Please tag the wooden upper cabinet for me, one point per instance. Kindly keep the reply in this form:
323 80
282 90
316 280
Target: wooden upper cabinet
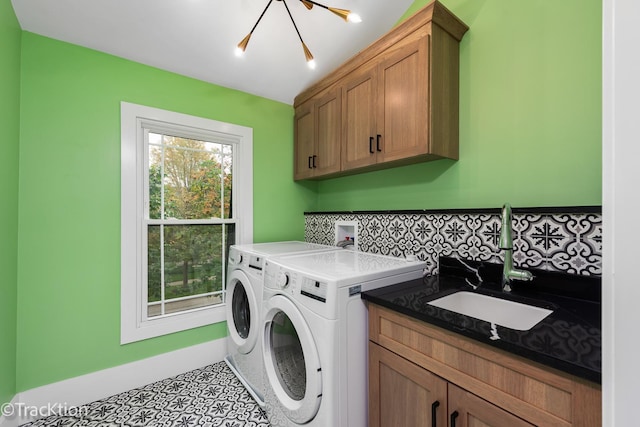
399 97
328 138
403 107
358 124
317 133
304 135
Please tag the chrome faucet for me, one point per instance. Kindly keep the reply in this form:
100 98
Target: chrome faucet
506 243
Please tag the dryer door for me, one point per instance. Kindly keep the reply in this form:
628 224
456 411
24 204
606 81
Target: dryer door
242 311
292 365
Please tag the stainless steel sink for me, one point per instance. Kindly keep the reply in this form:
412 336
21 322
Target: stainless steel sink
509 314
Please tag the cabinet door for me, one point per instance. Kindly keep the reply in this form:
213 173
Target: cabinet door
328 133
358 120
468 410
402 393
403 102
304 140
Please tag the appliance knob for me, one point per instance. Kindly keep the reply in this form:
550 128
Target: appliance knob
283 280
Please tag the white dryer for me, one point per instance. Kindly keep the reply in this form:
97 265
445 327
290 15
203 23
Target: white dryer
315 334
244 307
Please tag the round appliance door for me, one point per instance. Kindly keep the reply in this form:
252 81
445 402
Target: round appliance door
242 312
291 361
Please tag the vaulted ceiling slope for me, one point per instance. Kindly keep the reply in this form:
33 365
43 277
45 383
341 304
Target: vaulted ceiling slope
197 38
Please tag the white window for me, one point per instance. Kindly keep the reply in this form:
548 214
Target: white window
186 196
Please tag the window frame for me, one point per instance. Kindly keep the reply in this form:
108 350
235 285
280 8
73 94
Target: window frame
135 121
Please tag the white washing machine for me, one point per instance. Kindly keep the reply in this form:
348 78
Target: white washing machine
315 334
244 307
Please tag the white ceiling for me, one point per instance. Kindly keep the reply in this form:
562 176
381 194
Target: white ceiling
197 38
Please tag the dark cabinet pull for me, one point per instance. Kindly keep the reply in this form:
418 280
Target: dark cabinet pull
454 415
371 145
378 142
310 167
314 161
434 406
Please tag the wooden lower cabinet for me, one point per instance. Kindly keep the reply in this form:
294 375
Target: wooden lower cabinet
402 394
414 365
468 410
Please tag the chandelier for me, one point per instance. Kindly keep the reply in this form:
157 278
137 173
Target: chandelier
347 15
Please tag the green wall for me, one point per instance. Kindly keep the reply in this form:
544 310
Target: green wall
530 116
530 128
10 34
69 251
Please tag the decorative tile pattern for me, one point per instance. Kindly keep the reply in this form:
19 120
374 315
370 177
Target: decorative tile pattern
566 242
211 396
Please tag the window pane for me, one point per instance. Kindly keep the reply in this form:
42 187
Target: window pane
154 266
196 176
226 160
193 266
193 259
230 230
155 181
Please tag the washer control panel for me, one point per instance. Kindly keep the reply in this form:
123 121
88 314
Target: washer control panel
283 280
276 277
314 289
294 283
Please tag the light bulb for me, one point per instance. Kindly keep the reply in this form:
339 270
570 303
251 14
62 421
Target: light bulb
242 46
354 17
312 64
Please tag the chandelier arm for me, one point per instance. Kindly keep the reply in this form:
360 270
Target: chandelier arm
261 15
345 14
317 4
292 21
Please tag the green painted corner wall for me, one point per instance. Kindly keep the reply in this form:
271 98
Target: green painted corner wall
69 244
530 116
10 34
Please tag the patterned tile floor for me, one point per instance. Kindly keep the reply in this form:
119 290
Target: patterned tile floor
211 396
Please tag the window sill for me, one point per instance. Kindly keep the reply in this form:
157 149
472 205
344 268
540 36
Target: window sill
132 331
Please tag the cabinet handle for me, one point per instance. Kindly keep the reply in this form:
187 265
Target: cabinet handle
314 161
378 142
454 415
434 406
310 167
371 145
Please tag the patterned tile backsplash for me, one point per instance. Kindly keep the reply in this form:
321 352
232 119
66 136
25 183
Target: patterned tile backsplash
558 239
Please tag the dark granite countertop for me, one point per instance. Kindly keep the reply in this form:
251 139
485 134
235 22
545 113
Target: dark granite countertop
569 339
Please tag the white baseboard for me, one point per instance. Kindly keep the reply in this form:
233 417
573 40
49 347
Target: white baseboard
101 384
